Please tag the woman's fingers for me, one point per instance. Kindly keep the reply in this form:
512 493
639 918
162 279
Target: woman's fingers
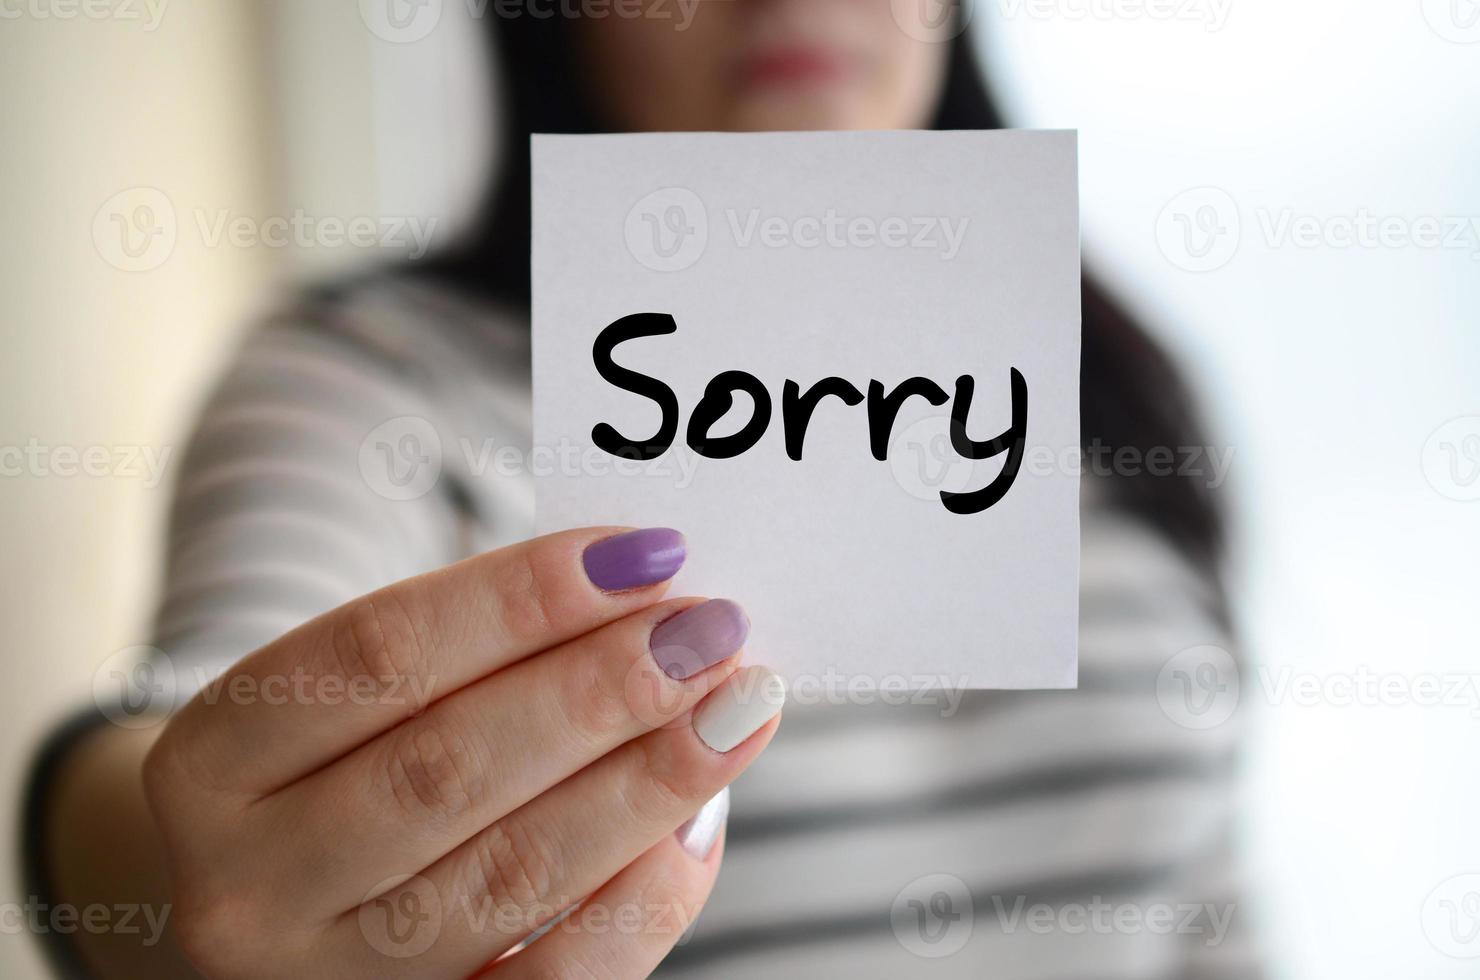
630 924
568 842
425 787
339 680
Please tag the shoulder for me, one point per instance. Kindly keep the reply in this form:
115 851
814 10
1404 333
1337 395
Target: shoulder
398 325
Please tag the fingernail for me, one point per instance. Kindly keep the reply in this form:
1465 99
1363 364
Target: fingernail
700 832
634 559
699 637
737 709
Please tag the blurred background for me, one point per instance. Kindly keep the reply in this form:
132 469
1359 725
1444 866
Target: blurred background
1289 192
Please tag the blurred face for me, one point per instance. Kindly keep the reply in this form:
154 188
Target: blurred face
761 65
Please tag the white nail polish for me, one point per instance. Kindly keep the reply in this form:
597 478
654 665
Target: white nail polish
734 712
700 831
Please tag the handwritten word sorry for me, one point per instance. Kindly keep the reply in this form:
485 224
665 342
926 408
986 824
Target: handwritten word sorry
797 407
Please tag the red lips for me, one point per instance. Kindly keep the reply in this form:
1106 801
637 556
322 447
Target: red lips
792 65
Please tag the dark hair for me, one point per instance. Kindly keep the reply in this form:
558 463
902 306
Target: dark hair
1131 395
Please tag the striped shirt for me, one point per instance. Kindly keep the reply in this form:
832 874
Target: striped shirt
1054 835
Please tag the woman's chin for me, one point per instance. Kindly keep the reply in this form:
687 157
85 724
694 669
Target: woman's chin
782 110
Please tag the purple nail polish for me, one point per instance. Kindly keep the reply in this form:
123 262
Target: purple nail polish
699 637
634 559
700 832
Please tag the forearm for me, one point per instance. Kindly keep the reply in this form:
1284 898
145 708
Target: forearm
103 860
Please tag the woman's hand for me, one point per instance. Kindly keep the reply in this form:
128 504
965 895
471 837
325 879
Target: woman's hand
412 784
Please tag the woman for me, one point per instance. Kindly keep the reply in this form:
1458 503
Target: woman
496 768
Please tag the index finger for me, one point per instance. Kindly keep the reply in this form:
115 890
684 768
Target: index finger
337 681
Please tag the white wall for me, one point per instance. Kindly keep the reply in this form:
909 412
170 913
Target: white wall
366 126
1329 369
96 356
203 111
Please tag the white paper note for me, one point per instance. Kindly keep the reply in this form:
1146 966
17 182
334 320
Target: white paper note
865 257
